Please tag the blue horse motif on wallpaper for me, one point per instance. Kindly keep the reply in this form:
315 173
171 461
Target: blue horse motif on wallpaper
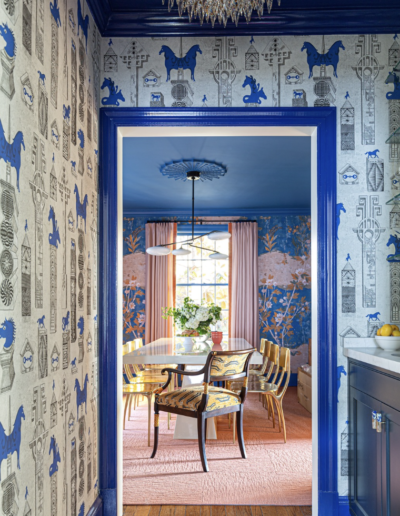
81 394
256 93
339 209
7 34
83 22
54 237
314 58
55 11
394 79
81 207
175 63
7 332
114 93
56 456
11 152
11 443
81 325
395 240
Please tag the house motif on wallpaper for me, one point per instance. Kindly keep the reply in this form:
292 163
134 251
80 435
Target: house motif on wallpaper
27 94
110 61
394 53
151 79
252 58
348 175
294 76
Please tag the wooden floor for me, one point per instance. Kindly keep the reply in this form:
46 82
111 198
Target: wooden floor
214 510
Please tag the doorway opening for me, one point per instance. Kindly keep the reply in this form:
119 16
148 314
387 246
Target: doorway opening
270 234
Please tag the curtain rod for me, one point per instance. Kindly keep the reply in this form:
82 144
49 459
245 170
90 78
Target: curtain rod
201 221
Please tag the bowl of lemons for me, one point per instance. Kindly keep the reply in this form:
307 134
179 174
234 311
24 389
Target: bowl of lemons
388 337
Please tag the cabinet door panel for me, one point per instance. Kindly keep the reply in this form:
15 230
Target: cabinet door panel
391 461
366 460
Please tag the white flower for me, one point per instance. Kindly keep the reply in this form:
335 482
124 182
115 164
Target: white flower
192 324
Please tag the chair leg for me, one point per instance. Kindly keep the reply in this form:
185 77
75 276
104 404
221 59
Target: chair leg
130 406
239 426
156 423
201 427
279 404
274 400
128 396
233 426
149 418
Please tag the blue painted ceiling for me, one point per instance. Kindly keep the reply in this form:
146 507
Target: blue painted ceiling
150 18
263 172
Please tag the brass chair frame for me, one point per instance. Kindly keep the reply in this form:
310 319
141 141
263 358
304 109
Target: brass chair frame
201 414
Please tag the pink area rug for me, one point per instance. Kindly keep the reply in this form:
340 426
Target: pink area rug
273 474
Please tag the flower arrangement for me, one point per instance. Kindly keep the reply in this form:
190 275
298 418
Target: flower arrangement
193 319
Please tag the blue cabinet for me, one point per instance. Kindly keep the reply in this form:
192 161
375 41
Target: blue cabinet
374 429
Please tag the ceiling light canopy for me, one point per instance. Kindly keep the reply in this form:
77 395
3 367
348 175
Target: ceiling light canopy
220 10
192 170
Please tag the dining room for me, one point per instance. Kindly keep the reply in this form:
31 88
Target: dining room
217 292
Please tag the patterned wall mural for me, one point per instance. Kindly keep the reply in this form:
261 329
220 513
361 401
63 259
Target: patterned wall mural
355 73
284 280
48 405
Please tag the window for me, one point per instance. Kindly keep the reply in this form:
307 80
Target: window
203 279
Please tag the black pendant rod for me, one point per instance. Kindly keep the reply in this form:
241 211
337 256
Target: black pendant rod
193 181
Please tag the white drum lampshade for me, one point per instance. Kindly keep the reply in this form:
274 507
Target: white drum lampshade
181 252
158 250
218 256
219 235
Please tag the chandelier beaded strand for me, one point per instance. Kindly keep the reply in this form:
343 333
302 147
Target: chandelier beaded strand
220 10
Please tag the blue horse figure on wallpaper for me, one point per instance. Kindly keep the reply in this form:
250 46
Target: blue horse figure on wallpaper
81 138
314 58
11 443
114 93
11 152
394 79
83 22
82 510
65 322
56 456
256 93
175 63
340 370
54 237
81 394
7 332
66 112
339 209
40 321
55 11
81 207
7 34
81 325
373 317
395 240
372 154
42 77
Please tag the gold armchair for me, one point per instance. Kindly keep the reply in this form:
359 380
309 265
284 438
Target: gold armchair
205 401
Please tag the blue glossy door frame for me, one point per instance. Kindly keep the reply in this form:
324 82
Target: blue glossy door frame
324 119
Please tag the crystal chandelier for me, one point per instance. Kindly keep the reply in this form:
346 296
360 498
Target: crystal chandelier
220 10
192 170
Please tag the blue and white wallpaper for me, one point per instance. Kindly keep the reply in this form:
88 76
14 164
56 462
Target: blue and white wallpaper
355 73
284 280
49 99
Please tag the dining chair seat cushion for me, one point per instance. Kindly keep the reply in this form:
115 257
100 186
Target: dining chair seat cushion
189 398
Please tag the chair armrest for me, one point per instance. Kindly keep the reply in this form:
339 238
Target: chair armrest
185 373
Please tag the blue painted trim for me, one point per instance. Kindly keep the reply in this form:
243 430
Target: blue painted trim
344 507
325 121
97 508
145 20
251 212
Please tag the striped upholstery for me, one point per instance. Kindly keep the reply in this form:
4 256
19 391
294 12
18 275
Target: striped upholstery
226 365
189 398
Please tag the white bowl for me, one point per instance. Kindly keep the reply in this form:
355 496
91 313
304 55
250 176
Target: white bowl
388 343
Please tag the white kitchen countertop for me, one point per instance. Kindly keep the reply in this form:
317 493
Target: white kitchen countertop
389 360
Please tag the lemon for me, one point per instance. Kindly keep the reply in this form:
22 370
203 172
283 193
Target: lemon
379 332
386 330
395 327
395 333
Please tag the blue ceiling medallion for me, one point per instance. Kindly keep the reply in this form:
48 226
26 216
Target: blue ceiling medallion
178 170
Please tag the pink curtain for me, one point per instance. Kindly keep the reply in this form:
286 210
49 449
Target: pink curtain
160 282
243 316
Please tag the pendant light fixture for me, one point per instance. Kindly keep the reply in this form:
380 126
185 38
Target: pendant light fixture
192 171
